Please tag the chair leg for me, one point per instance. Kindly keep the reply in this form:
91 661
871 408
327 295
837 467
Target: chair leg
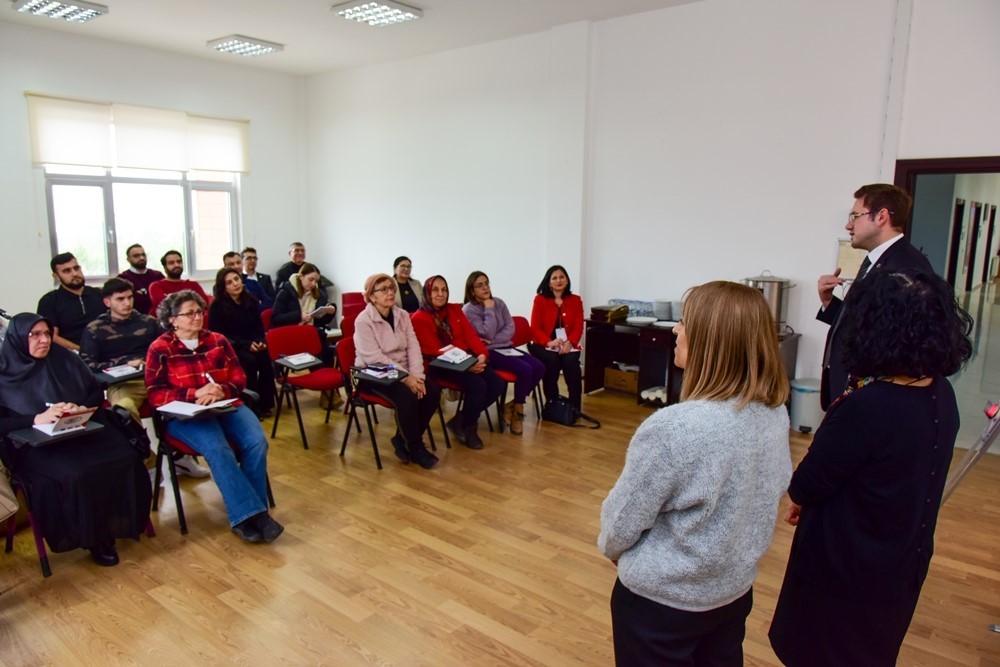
537 400
500 419
11 525
177 494
277 413
298 415
158 475
36 532
352 416
270 494
444 429
150 531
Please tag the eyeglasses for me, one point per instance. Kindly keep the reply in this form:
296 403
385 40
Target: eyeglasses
481 285
405 266
388 289
38 335
852 216
191 314
249 257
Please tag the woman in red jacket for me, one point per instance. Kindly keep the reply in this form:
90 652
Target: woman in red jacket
556 330
439 324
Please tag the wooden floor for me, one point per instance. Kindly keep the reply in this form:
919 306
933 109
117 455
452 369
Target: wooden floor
489 559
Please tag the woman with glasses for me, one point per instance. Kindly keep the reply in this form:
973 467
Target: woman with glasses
693 510
302 300
85 491
556 330
383 335
491 319
235 314
439 324
865 498
194 365
409 291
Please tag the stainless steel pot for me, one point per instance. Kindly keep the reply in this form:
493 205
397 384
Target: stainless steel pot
773 289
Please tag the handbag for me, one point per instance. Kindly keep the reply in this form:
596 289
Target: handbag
561 411
8 499
136 436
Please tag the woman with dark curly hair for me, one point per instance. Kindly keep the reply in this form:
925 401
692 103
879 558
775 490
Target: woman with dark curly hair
865 498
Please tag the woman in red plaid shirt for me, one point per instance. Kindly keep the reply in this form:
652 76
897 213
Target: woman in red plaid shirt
192 364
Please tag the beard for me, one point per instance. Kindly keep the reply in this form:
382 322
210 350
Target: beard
75 283
175 274
139 266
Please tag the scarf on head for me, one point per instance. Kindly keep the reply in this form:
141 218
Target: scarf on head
27 384
440 316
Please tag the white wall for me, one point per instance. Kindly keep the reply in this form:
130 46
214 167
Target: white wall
60 64
443 158
952 93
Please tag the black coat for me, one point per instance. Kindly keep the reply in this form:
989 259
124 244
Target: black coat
900 255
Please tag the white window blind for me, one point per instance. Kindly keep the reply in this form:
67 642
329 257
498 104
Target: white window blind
102 134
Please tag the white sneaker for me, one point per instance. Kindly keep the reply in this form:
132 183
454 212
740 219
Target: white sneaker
186 465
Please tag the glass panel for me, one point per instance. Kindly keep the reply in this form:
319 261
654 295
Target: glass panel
78 211
72 170
212 229
121 172
213 176
152 215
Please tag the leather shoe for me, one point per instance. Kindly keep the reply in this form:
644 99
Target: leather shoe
105 555
247 530
269 528
424 459
399 445
472 439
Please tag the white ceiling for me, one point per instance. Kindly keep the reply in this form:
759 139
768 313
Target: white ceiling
317 40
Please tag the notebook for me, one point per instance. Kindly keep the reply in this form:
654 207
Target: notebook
70 421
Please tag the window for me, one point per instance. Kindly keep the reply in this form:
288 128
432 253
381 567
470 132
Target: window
97 213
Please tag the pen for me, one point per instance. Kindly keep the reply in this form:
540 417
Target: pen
209 378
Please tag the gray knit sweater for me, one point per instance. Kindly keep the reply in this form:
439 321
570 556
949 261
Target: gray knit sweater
695 506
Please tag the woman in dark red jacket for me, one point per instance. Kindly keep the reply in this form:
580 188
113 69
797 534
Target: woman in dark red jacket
439 324
556 330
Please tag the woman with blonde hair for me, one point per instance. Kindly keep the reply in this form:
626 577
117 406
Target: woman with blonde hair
694 508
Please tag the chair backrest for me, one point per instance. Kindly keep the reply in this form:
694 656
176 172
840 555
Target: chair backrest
346 354
265 318
522 331
349 298
286 341
351 311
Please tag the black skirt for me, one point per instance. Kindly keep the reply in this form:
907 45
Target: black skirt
86 491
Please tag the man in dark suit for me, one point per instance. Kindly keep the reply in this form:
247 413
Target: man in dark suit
876 223
250 272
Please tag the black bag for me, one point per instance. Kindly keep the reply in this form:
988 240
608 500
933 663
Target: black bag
121 420
561 411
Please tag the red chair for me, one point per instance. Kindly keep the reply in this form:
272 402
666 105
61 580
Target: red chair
291 340
522 336
349 298
356 398
167 447
351 311
265 318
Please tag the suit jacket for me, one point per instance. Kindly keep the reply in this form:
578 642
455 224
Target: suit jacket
900 255
265 282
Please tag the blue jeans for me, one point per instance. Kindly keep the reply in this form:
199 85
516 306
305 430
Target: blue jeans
244 484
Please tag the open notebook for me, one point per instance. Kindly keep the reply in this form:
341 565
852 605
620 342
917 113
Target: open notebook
70 421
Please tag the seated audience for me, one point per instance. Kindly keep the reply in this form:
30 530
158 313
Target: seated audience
140 277
439 324
233 260
556 330
490 318
173 265
235 315
72 305
250 272
191 364
86 491
693 510
384 335
301 300
121 337
296 258
865 498
409 291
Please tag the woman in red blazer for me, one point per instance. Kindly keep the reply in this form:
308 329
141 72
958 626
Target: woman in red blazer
556 330
439 324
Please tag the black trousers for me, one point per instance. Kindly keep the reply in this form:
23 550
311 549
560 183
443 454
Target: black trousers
413 414
568 365
481 390
260 375
650 633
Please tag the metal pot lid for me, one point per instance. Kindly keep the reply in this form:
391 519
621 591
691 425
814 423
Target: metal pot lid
766 277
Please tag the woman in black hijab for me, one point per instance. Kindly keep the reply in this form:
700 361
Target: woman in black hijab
85 491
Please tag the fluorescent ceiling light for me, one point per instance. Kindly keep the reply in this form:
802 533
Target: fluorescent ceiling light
377 13
244 46
76 11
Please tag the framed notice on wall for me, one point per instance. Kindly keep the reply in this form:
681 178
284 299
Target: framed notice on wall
849 259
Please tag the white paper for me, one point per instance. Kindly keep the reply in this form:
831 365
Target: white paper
453 355
300 358
121 371
510 352
186 409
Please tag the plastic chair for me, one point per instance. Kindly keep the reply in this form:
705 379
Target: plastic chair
167 447
522 336
356 398
265 318
349 298
291 340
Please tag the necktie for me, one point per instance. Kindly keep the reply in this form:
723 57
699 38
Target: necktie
828 350
863 271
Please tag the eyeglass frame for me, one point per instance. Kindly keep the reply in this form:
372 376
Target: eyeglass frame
191 314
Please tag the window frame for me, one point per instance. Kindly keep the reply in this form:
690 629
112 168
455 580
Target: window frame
106 182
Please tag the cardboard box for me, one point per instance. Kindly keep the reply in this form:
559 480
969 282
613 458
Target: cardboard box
627 381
